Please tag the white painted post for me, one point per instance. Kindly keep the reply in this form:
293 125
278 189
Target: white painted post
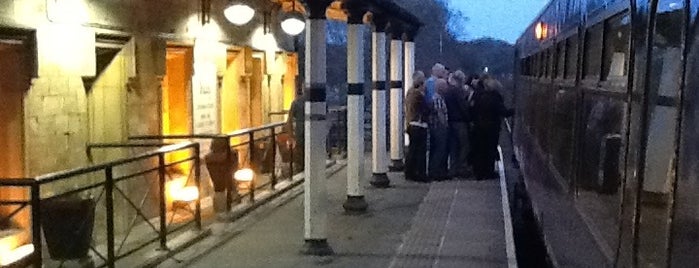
315 184
355 202
397 94
409 44
378 102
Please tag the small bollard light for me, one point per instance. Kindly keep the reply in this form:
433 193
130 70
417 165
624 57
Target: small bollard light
11 256
186 194
244 177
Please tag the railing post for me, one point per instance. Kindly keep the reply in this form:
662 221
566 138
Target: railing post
292 150
36 223
109 203
163 207
253 167
197 181
274 159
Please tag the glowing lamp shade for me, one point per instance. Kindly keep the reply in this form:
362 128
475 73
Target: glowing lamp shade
293 26
541 31
244 175
186 194
239 14
10 256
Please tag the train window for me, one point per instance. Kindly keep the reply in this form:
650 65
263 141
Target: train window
561 59
593 52
552 62
571 57
616 48
547 69
540 64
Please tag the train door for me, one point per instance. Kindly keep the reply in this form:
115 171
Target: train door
653 135
685 223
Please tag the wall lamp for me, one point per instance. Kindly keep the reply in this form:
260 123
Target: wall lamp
239 13
293 22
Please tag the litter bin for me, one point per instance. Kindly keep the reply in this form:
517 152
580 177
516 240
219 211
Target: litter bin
221 162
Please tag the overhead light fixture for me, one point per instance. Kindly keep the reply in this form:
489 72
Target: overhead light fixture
239 14
293 22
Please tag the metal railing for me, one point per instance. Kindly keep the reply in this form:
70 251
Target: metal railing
259 147
115 184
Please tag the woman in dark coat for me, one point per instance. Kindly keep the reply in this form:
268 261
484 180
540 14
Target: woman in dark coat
487 111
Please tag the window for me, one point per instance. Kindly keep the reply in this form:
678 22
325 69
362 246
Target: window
571 57
561 59
542 63
593 52
616 48
547 70
552 62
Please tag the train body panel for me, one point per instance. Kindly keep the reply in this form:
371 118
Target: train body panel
607 130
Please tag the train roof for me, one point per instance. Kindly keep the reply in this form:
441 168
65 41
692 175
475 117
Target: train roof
561 19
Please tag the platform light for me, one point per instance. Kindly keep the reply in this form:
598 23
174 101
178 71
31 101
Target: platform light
539 31
293 23
239 14
186 194
244 178
244 175
13 255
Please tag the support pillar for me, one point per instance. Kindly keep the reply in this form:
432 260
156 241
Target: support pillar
355 202
315 184
409 47
397 94
378 105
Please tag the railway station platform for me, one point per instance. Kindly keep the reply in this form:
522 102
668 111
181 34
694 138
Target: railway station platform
440 224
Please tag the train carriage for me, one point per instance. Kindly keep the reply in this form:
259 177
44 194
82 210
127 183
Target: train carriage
607 131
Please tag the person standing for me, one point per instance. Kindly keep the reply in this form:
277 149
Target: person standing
438 72
488 110
416 115
439 133
295 126
456 99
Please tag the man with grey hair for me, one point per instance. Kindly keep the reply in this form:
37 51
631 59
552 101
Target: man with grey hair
438 72
416 115
439 133
456 99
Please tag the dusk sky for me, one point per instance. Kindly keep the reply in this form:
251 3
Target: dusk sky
501 19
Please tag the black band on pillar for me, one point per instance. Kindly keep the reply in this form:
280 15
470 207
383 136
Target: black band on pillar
396 84
355 10
318 8
379 22
396 29
316 92
410 33
355 89
379 85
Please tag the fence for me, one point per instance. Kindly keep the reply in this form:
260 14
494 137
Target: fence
146 197
64 205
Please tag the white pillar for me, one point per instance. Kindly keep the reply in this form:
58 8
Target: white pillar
355 114
315 186
378 110
409 64
397 94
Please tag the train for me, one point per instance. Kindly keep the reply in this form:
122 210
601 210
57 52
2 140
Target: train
607 131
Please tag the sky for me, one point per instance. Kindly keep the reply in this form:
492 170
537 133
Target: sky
500 19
